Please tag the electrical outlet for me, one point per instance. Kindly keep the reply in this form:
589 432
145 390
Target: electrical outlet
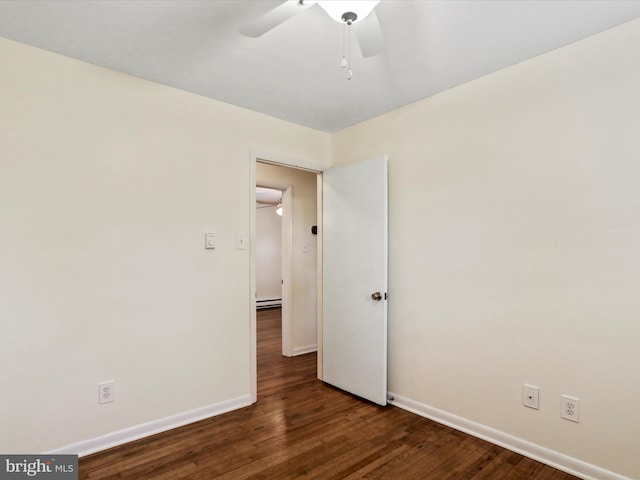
530 396
570 408
106 392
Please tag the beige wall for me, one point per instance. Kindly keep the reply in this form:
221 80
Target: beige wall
304 262
515 246
107 186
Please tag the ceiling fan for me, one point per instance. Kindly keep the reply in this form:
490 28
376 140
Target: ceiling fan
359 13
269 197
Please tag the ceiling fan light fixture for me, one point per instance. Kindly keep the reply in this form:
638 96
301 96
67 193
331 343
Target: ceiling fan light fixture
339 9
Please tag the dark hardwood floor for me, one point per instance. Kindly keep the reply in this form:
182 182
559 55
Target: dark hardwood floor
302 428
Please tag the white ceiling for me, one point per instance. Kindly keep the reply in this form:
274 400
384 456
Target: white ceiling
292 72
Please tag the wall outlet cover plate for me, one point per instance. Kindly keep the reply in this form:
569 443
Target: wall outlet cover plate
531 396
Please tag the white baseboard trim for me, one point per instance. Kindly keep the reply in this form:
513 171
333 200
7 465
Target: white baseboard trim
137 432
271 303
536 452
303 350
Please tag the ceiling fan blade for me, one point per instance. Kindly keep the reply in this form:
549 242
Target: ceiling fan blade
272 18
369 35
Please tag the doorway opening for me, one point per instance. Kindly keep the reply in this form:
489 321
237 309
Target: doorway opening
350 303
269 235
299 256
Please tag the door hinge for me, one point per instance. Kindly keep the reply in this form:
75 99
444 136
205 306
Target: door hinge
386 295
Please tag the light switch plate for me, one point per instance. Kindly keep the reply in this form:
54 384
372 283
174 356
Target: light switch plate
210 240
241 241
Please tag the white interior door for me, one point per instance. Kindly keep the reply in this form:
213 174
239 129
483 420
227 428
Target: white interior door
354 229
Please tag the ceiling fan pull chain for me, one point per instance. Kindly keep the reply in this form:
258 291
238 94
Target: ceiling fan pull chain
343 62
349 72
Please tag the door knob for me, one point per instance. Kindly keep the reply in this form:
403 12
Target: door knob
377 296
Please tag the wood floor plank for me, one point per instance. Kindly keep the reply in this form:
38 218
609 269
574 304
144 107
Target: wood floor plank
303 428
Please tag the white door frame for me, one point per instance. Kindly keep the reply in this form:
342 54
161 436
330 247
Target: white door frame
286 235
275 159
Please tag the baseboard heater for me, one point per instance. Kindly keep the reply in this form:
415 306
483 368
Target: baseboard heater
272 303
